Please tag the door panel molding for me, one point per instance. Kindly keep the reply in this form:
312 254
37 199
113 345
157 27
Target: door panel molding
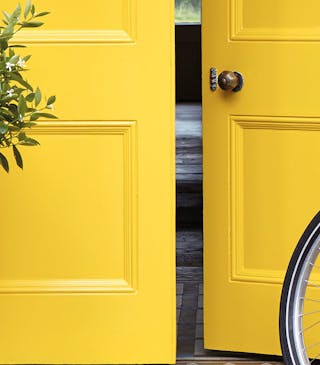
126 33
238 126
239 31
65 286
126 130
77 36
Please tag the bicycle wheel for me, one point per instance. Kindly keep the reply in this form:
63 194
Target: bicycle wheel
300 301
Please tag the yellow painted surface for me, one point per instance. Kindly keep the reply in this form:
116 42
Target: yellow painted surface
261 163
87 253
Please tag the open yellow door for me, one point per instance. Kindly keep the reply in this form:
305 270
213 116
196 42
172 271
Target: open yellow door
261 162
87 269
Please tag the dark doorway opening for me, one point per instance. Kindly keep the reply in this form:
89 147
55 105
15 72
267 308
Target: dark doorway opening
189 191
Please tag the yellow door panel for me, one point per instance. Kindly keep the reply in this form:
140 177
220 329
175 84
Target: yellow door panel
261 148
276 20
87 269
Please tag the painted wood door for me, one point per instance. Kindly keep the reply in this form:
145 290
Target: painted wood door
261 162
87 268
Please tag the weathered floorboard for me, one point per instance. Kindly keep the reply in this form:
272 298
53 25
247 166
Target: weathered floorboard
189 165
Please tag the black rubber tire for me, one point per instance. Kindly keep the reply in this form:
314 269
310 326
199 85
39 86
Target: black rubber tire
288 294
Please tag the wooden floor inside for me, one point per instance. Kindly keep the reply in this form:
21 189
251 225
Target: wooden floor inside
189 230
190 349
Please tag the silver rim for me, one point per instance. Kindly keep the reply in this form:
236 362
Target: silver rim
306 353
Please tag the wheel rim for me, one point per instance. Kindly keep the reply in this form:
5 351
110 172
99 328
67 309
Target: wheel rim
306 308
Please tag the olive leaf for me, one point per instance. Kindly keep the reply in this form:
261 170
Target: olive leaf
51 100
38 97
4 162
17 156
27 8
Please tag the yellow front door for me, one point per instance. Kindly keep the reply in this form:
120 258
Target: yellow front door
261 162
87 269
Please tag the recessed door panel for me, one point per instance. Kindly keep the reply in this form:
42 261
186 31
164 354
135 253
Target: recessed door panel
276 20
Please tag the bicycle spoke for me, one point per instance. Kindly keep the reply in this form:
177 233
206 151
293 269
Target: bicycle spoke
313 345
310 299
315 266
312 284
309 327
306 314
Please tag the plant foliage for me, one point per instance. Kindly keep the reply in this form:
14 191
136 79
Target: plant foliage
20 104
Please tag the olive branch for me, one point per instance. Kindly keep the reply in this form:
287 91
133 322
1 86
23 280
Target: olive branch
20 104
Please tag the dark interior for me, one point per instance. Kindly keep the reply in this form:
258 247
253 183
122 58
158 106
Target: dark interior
188 63
189 191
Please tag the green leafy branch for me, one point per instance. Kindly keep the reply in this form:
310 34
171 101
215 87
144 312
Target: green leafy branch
20 104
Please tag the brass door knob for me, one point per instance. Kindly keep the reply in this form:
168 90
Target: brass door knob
230 81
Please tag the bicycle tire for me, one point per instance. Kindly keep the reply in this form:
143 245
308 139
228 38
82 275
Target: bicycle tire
292 303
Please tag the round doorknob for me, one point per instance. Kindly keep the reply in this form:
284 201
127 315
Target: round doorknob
230 81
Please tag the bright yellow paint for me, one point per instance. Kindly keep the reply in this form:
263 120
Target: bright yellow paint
87 268
261 158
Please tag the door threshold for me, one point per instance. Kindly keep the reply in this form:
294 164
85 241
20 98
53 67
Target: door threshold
216 360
